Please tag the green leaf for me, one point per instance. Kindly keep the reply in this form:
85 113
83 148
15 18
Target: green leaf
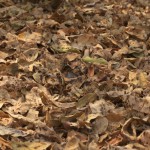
88 59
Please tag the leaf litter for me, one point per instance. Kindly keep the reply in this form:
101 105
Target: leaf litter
74 76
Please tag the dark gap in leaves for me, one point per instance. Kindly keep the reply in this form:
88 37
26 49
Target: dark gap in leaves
39 45
125 23
51 51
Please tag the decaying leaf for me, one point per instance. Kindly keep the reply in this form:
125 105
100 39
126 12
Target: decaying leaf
13 132
100 125
144 137
133 126
35 145
101 107
90 97
30 37
31 54
74 75
93 145
64 47
74 143
5 144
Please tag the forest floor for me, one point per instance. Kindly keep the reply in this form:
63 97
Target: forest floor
77 78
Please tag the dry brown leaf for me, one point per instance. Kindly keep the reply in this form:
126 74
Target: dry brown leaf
31 54
140 104
3 55
143 82
116 140
72 56
90 97
91 71
30 37
82 137
35 145
33 114
93 145
101 107
86 40
139 33
75 76
37 77
118 54
100 125
74 143
144 137
5 144
13 132
133 126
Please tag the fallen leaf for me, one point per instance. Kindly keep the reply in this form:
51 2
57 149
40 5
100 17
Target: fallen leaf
132 126
35 145
13 132
144 137
101 107
5 144
95 60
90 97
30 37
100 125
